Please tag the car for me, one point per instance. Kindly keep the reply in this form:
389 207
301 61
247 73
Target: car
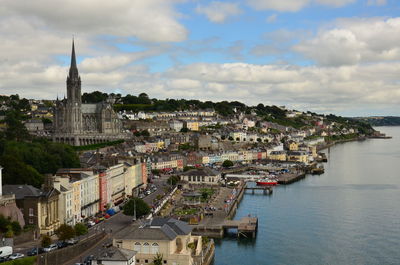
16 256
88 260
72 241
3 259
50 248
107 216
35 251
91 223
61 244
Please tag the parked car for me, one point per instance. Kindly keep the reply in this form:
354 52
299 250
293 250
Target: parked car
88 260
3 259
72 241
50 248
61 244
91 223
16 256
35 251
107 216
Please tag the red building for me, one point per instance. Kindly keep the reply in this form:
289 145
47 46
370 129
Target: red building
103 191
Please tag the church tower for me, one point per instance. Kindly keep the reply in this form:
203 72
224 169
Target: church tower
74 100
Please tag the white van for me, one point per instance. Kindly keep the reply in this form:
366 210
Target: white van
5 251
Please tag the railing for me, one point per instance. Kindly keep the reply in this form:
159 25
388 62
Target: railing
205 255
163 202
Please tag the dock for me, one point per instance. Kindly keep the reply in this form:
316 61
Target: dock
289 178
267 190
246 227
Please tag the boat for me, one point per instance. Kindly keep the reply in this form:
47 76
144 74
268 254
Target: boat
266 182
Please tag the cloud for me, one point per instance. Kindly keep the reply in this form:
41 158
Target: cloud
272 18
354 41
219 12
281 5
376 2
294 5
150 20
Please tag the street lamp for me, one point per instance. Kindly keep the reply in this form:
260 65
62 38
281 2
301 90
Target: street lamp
134 209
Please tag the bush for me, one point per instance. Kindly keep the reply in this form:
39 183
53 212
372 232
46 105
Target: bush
227 163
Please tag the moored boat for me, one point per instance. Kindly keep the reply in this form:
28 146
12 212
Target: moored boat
266 182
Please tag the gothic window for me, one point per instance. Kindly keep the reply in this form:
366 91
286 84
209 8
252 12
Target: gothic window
146 248
137 247
155 248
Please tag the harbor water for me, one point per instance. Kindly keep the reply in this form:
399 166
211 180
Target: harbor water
348 215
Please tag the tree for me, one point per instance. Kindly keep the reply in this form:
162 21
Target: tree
65 232
158 259
80 229
184 130
46 241
227 163
173 180
16 227
141 207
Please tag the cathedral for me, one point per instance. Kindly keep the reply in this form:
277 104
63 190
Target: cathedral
77 123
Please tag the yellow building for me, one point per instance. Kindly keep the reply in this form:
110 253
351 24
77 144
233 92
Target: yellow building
297 156
169 237
191 125
293 146
277 155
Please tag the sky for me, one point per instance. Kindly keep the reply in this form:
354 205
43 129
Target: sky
326 56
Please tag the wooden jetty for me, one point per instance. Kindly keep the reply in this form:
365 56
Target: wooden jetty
267 190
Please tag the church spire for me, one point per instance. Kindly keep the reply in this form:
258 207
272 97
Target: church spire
73 69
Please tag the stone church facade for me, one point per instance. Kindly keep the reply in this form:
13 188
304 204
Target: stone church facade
77 123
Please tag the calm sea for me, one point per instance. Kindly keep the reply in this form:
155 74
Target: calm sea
348 215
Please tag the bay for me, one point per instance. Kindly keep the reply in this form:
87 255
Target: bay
348 215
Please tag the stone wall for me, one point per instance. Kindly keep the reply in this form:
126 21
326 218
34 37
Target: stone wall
64 255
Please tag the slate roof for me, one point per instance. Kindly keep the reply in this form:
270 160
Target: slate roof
116 254
201 172
158 229
22 191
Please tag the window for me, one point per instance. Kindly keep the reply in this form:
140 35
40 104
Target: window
146 248
146 261
31 212
137 261
30 221
154 248
202 178
137 247
165 262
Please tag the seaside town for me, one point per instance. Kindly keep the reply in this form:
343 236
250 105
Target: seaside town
109 179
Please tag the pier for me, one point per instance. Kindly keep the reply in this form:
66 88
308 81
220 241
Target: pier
288 178
267 190
246 227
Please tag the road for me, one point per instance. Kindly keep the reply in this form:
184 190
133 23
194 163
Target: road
117 223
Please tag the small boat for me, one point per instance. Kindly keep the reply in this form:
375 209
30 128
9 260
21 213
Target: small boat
266 182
